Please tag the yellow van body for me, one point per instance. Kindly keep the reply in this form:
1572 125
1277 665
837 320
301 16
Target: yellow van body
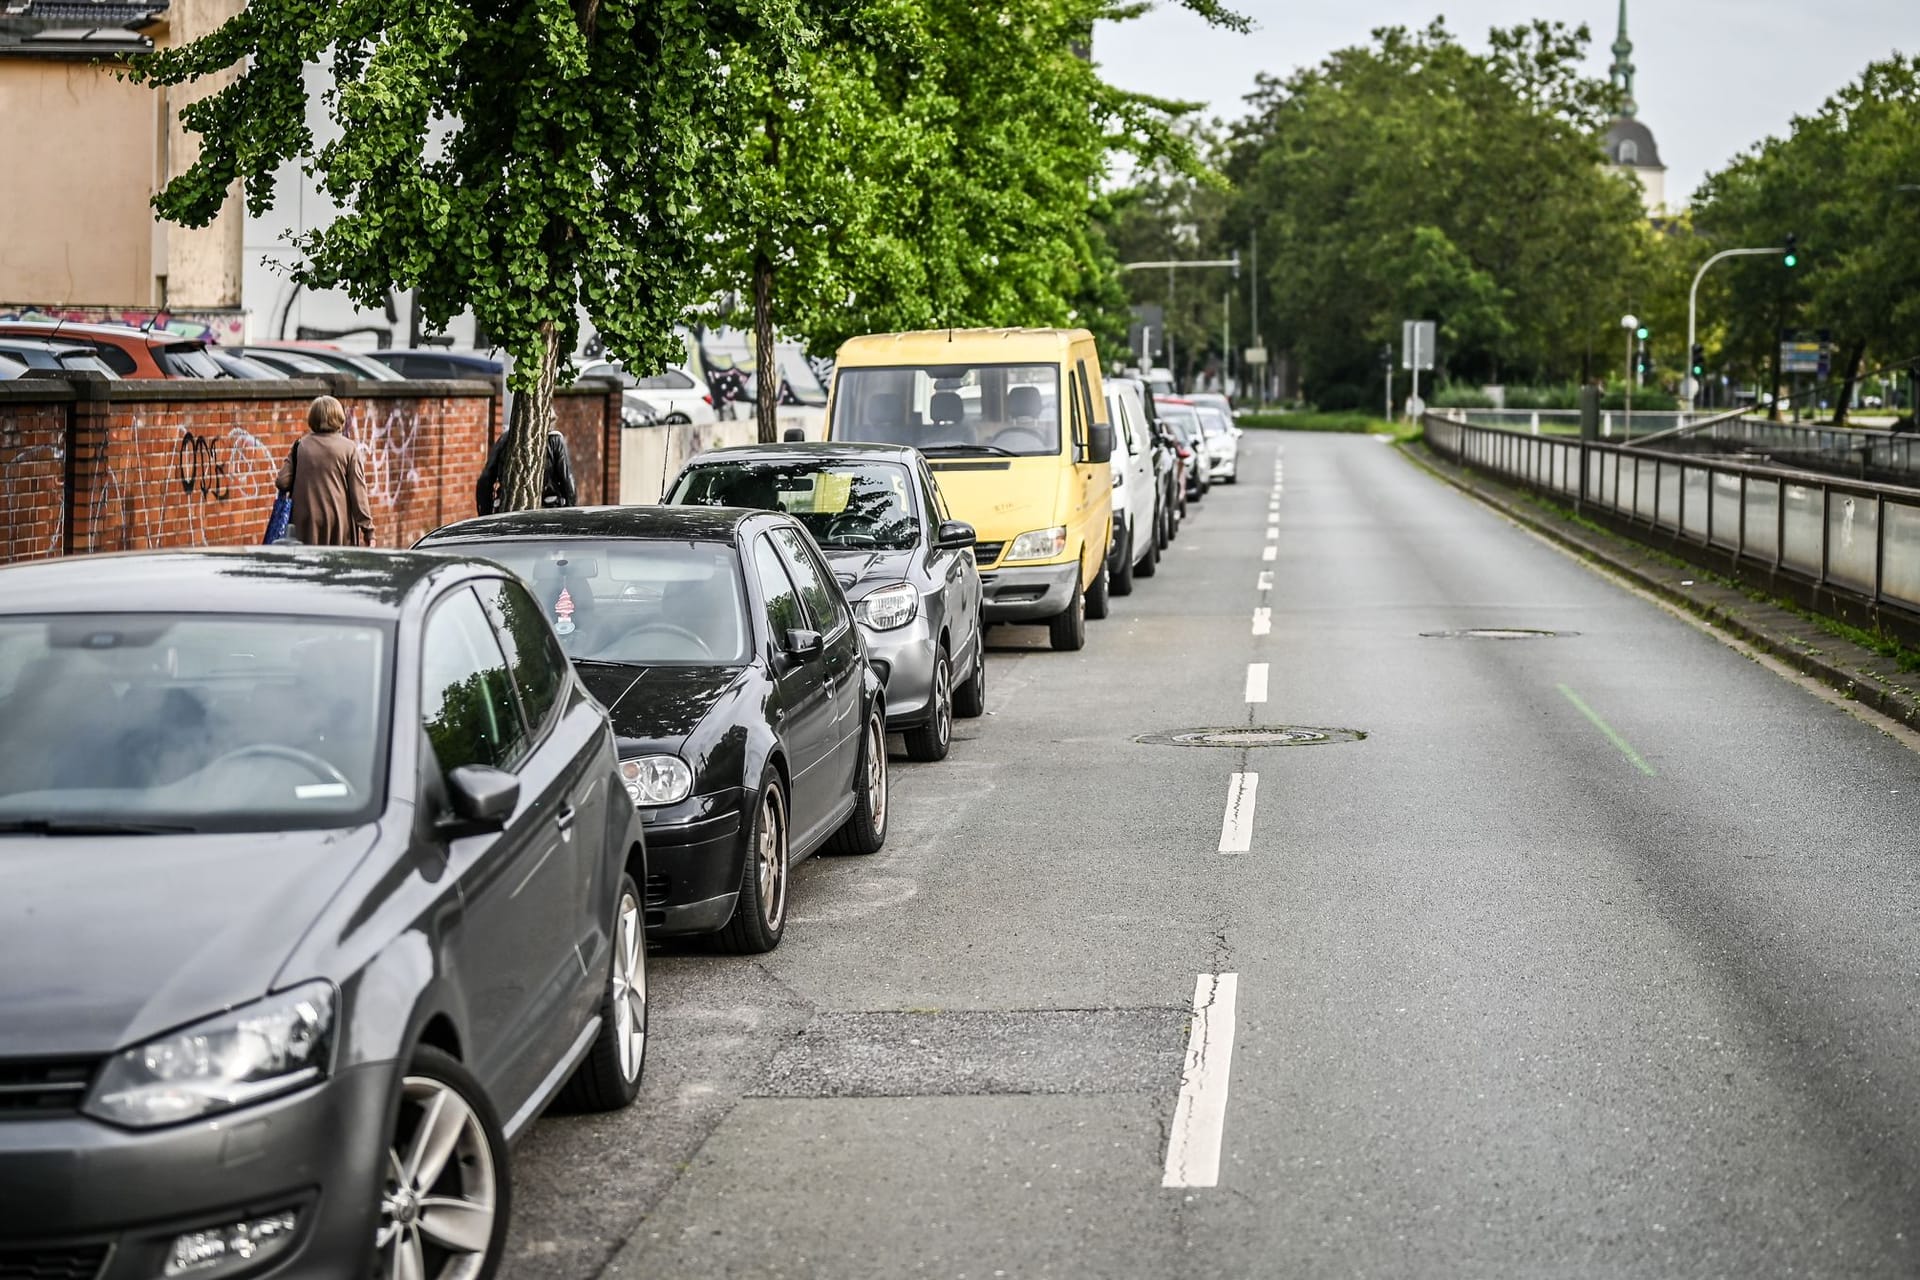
1005 418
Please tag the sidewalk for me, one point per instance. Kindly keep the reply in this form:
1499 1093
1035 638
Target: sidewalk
1794 638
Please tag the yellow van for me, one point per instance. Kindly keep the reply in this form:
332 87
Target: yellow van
1014 424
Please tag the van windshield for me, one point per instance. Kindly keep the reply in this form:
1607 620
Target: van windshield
985 408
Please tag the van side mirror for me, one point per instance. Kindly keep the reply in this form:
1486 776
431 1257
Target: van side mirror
1100 443
482 799
793 435
955 535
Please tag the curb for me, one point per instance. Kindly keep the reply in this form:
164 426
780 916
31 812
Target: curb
1853 684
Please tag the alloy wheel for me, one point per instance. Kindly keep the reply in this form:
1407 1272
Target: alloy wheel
630 988
943 699
877 773
437 1208
772 859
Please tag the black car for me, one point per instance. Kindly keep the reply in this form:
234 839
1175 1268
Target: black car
320 883
752 725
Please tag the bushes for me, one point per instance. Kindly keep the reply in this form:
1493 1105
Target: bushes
1460 397
1566 396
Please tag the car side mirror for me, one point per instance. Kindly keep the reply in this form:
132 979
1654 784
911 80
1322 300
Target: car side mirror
1100 443
802 643
955 535
482 799
793 435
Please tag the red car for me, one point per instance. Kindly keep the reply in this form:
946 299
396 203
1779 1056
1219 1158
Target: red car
129 352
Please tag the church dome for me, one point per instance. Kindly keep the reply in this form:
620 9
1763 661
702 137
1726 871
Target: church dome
1630 145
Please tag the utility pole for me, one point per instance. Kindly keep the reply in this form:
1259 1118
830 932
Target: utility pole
1171 267
1259 373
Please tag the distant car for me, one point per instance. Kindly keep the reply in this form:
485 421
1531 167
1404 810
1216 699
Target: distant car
1160 381
1136 495
1215 400
320 885
233 365
56 356
329 357
1183 416
751 726
905 564
672 390
1222 441
285 364
441 362
129 352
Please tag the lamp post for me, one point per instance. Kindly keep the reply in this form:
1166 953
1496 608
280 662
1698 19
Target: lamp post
1693 305
1170 268
1631 323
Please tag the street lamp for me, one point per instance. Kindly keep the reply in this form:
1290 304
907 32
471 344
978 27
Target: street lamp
1630 323
1693 299
1170 268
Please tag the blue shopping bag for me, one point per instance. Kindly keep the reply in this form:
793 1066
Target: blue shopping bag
282 514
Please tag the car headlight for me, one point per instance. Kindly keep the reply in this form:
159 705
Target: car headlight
888 607
1041 544
270 1047
656 780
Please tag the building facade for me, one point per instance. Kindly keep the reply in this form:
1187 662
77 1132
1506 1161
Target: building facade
1631 149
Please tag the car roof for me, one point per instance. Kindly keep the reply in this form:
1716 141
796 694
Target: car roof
960 346
455 354
156 337
693 524
306 581
818 450
53 346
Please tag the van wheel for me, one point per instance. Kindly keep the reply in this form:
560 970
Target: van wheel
1068 629
1123 576
970 699
1150 563
1097 605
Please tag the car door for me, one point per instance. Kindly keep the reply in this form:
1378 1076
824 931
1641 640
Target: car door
959 590
1096 511
513 935
805 714
821 594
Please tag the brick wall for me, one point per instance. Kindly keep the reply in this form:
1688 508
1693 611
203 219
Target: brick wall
88 465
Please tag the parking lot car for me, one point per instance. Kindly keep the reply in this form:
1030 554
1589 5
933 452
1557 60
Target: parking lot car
55 356
1013 423
1222 441
752 728
321 884
327 356
129 352
1183 417
905 564
1136 496
441 362
671 391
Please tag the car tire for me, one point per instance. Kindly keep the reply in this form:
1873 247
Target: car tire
608 1078
1122 584
1098 605
970 699
929 742
865 829
760 911
1163 523
438 1096
1150 562
1067 630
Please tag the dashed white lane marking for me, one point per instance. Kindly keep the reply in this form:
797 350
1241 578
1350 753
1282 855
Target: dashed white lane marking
1271 553
1273 533
1200 1117
1236 829
1262 622
1265 582
1256 682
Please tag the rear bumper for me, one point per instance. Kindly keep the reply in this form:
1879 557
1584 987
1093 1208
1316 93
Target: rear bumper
1027 594
694 856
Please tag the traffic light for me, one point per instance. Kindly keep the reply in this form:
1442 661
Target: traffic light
1699 365
1643 333
1793 250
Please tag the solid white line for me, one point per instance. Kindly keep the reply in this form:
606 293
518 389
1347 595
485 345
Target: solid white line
1265 582
1271 553
1236 830
1262 622
1256 682
1200 1117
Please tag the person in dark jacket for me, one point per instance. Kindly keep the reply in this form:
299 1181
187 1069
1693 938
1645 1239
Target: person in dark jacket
559 491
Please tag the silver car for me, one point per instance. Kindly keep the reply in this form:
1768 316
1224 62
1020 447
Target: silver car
905 564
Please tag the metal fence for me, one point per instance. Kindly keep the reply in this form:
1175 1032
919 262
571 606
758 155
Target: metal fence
1871 448
1858 538
1615 424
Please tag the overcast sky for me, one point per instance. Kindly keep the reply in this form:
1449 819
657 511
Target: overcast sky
1714 75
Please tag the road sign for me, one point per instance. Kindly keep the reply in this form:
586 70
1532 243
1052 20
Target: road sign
1416 344
1802 351
1255 355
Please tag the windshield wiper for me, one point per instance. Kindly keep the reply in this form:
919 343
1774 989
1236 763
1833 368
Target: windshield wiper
90 827
969 448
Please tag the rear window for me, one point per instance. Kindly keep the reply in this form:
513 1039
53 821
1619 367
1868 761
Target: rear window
117 360
187 360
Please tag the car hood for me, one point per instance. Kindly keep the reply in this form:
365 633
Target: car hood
657 705
111 940
858 569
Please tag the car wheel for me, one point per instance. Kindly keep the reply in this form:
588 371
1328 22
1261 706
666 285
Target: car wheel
1097 605
1163 523
930 741
608 1078
970 699
447 1194
865 829
760 912
1067 630
1123 576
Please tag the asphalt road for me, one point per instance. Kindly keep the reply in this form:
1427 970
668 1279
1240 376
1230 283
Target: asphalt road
1597 956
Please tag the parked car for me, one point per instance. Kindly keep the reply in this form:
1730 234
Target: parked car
317 894
55 356
1136 497
905 564
1222 440
129 352
1169 467
1184 418
673 390
10 367
1215 400
1013 423
234 365
328 356
752 728
441 362
286 364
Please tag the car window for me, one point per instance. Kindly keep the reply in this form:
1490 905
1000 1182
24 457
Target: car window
669 380
814 581
534 657
939 499
117 360
466 697
1001 408
784 613
187 360
844 505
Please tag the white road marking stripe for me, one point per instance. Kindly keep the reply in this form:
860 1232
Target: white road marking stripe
1256 682
1265 582
1262 623
1200 1117
1236 829
1273 533
1271 553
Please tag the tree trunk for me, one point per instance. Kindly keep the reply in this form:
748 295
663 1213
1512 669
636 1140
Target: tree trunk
524 476
766 365
1855 354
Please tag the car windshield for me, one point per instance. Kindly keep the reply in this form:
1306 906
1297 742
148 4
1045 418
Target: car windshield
844 505
1183 418
634 600
1212 420
989 408
197 721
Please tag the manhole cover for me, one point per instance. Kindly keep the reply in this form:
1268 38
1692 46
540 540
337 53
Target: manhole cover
1276 735
1497 633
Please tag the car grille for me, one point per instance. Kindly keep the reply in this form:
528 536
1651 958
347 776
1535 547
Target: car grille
987 553
74 1262
42 1087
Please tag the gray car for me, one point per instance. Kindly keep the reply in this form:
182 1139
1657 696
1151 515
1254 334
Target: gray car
905 564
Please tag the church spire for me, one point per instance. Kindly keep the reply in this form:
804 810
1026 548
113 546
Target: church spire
1622 69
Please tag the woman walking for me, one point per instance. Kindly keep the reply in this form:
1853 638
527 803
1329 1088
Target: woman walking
328 481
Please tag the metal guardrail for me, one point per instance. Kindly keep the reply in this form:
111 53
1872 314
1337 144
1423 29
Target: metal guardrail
1873 448
1854 537
1566 422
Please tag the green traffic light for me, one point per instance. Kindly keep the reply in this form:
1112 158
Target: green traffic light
1793 260
1642 332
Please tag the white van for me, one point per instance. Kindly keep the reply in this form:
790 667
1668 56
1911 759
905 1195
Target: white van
1136 498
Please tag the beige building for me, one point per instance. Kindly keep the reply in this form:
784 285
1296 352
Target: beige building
1631 150
84 152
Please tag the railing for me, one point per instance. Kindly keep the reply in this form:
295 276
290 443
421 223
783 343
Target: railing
1614 423
1871 448
1849 536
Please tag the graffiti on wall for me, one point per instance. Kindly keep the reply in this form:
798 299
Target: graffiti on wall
24 469
389 436
228 327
